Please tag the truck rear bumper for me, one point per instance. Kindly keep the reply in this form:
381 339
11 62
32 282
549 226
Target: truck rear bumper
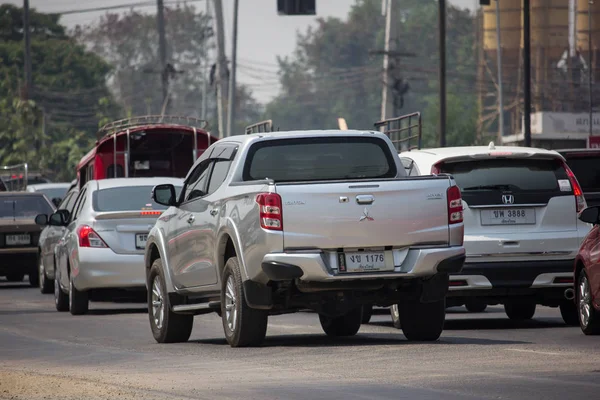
314 266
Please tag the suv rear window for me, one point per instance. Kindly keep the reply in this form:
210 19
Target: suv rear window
515 175
587 170
130 198
24 206
318 159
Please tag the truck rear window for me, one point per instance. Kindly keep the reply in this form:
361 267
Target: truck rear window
318 159
587 171
24 206
130 198
531 175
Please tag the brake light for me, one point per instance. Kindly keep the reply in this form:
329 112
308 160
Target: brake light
580 203
455 208
89 238
151 213
271 217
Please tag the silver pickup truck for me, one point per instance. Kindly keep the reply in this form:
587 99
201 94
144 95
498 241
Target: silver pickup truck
277 222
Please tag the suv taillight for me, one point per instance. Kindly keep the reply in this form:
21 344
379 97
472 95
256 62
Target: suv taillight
269 205
580 203
89 238
455 208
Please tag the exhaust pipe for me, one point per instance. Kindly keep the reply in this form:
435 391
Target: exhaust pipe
569 294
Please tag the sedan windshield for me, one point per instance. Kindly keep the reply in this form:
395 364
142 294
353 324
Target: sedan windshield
23 206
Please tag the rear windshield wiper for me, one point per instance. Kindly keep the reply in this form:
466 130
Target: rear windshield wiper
490 187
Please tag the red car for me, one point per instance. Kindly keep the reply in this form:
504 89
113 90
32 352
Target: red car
587 274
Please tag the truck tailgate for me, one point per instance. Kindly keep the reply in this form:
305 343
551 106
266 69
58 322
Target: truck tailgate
335 215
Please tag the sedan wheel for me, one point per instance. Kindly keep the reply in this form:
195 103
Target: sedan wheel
45 284
61 300
589 318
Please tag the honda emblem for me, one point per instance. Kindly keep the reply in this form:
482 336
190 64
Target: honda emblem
508 198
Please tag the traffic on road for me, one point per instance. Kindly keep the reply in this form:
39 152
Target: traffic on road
267 236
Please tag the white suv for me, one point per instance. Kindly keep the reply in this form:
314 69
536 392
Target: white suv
521 227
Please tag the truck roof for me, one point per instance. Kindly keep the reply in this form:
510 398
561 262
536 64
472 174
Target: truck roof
297 134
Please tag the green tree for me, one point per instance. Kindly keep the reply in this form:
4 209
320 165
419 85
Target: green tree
56 127
130 43
332 74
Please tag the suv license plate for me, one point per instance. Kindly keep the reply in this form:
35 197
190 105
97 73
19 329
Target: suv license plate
362 262
140 240
508 216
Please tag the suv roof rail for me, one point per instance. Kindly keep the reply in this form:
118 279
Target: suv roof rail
259 127
122 124
401 130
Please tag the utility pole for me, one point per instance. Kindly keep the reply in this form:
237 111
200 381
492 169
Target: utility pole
442 71
590 69
390 46
162 50
221 68
527 72
231 105
27 40
500 86
206 71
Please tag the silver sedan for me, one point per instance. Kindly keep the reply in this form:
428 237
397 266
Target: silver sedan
103 245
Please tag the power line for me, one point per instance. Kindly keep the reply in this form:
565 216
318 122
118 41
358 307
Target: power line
129 5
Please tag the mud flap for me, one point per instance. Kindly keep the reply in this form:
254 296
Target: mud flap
257 295
435 288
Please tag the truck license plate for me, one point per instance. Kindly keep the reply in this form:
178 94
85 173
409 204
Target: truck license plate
140 240
508 216
18 240
362 262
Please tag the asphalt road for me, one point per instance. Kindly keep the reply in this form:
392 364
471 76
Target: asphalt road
110 354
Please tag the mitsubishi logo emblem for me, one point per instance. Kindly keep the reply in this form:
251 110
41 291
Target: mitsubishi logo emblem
366 216
508 198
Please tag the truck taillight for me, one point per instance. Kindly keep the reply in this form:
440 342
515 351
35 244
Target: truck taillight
580 203
455 208
435 169
269 205
89 238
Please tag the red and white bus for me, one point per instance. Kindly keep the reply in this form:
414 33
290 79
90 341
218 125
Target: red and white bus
146 146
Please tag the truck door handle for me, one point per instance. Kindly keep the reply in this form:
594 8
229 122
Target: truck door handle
214 211
365 199
191 219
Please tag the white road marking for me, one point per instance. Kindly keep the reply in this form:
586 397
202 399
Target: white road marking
537 352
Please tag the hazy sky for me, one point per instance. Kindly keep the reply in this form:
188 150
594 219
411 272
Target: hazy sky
262 34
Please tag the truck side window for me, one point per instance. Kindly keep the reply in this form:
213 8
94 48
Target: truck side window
218 175
196 185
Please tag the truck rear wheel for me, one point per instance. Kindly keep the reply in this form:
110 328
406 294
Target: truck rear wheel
475 305
166 326
346 325
422 321
367 313
569 313
243 326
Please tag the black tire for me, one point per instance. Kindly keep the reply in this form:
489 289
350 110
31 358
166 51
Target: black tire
61 299
246 326
34 276
173 328
46 285
78 300
583 296
395 316
423 322
346 325
520 311
475 305
569 312
367 313
15 277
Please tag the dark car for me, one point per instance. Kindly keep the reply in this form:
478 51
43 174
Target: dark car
585 163
587 275
19 234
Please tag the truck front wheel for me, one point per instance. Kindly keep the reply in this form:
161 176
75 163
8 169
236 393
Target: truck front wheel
243 326
422 321
346 325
